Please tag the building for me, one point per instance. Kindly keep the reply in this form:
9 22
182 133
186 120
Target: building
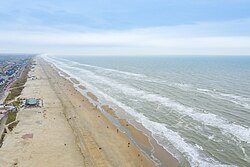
32 102
7 108
2 81
10 73
2 111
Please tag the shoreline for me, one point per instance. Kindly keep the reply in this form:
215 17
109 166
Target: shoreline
106 124
70 130
145 143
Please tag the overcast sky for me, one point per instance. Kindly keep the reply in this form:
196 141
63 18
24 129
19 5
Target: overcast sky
126 27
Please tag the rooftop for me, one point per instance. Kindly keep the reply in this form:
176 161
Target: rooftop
31 101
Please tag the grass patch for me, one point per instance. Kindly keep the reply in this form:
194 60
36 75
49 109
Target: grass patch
11 117
13 93
12 126
17 103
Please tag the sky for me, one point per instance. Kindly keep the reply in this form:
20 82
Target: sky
125 27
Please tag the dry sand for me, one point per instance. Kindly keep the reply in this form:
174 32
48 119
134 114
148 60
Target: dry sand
67 131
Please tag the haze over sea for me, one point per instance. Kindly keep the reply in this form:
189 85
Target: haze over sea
197 108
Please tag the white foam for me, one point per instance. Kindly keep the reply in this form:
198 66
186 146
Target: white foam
159 131
182 86
210 119
236 99
239 100
104 69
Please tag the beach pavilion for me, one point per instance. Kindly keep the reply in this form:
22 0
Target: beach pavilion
32 102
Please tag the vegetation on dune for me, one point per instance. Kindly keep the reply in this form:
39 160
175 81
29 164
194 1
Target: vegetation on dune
14 93
11 117
17 103
13 125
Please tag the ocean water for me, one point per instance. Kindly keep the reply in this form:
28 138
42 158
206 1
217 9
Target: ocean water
197 108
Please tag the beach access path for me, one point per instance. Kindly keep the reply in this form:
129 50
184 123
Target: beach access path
67 131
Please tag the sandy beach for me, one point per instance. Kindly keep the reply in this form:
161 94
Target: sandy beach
67 131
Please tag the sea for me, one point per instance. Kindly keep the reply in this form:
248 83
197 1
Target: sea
195 107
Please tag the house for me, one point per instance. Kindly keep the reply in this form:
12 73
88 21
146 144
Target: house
3 111
11 73
2 81
7 108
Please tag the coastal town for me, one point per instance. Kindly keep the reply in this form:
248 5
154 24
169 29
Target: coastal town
11 66
13 75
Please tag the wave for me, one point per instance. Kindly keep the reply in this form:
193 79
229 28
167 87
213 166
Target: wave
160 132
210 119
240 132
189 151
236 99
239 100
104 69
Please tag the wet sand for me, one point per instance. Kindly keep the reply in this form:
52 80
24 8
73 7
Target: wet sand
63 73
109 110
82 87
146 142
92 96
74 81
